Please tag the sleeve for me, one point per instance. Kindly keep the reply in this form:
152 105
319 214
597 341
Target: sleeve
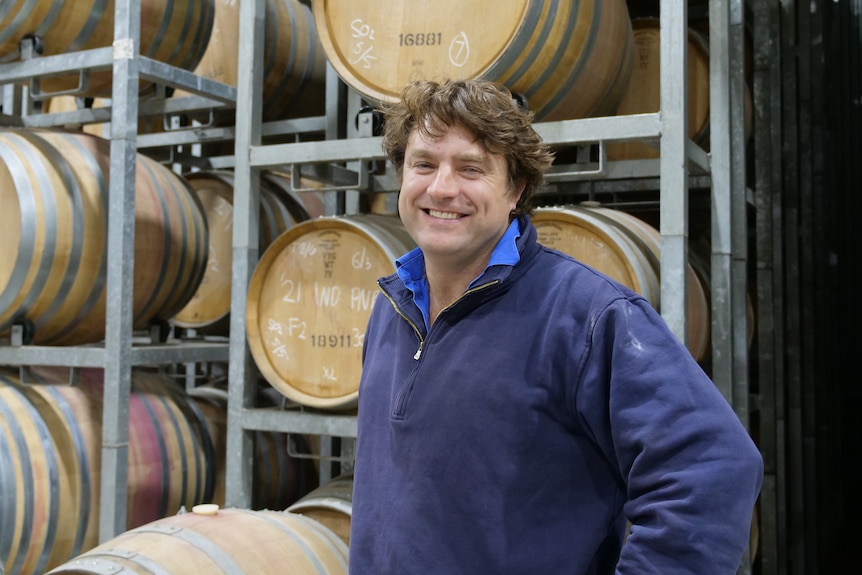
692 472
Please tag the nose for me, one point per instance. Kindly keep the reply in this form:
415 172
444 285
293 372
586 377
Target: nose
444 183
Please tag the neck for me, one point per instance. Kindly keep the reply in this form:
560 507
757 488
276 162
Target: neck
447 284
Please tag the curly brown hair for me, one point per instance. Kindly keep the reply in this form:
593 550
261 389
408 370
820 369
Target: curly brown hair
485 109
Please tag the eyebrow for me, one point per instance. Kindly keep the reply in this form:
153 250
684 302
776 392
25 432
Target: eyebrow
423 154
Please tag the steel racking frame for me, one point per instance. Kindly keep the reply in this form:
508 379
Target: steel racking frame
681 162
120 351
725 166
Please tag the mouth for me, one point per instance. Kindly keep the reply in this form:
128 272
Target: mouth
443 215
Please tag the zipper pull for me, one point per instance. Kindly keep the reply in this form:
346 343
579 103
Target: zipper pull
418 353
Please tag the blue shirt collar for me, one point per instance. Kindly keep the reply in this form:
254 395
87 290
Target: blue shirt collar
411 267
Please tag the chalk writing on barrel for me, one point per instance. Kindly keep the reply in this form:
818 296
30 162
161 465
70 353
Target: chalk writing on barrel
362 49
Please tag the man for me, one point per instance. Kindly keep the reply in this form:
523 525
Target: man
517 409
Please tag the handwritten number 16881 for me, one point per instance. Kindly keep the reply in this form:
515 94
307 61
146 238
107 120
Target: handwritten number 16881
421 39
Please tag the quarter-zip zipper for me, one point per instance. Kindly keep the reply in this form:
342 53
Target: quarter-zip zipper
418 353
398 409
405 392
409 322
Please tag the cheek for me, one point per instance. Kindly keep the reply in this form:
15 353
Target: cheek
402 201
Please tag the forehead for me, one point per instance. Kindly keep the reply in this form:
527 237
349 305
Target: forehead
454 140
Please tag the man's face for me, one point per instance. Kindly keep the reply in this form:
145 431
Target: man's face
455 197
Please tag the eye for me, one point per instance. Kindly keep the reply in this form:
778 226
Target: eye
422 166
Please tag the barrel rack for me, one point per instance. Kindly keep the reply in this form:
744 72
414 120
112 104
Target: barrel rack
120 351
680 158
682 166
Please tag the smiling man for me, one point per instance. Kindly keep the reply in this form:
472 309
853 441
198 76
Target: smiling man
451 203
518 409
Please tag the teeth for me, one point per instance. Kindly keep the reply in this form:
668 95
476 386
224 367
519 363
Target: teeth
444 215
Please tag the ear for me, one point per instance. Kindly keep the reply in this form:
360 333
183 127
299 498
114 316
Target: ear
518 190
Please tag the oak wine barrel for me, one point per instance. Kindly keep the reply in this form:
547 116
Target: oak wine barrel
53 272
569 59
208 310
644 94
69 421
331 504
309 300
167 466
294 65
172 31
34 490
278 478
210 540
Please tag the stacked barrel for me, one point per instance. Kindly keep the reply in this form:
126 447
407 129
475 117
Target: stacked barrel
643 93
212 540
174 32
309 537
309 299
51 448
54 192
208 310
294 65
54 189
569 60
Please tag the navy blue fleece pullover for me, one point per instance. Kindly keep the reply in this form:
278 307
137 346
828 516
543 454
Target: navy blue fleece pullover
541 412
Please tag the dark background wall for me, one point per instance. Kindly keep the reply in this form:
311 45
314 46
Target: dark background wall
839 377
807 164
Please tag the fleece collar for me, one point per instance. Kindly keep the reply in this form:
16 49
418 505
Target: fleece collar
411 267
